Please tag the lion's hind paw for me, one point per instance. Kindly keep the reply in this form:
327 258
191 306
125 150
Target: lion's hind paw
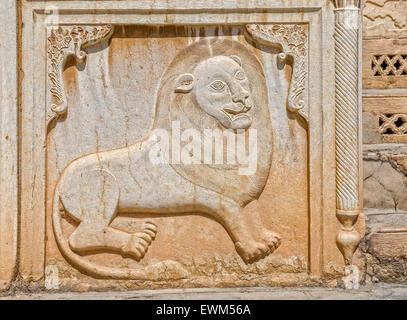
150 228
139 242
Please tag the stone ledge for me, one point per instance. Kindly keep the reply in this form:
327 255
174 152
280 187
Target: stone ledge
372 292
390 147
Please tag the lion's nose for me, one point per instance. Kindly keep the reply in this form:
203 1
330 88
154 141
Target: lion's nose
240 95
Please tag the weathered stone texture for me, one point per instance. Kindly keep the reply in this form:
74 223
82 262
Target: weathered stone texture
8 143
385 179
370 292
384 135
116 186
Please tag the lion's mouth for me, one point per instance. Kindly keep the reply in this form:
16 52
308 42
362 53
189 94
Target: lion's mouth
238 115
239 111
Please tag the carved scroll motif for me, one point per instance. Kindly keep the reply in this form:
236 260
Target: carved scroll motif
64 42
293 40
347 129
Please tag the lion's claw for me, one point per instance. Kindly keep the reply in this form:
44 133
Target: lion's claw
271 239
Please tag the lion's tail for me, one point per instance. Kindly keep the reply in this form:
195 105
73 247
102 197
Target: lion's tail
81 263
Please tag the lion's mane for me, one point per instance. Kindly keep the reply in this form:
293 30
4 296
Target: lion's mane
171 106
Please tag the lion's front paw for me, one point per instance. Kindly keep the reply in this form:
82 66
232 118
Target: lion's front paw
270 239
252 251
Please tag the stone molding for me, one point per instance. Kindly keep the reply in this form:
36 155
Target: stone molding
8 142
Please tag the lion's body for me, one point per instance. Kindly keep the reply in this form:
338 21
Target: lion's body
127 175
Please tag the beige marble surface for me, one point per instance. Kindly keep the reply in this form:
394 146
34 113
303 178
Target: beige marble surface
97 213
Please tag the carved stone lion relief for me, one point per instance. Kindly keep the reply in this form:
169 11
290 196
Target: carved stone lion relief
212 84
189 144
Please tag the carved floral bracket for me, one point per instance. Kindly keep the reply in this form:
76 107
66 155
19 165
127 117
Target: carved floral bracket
64 42
292 39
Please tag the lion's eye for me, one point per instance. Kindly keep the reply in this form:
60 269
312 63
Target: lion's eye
240 75
218 85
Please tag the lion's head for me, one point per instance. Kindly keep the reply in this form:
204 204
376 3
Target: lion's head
221 89
218 84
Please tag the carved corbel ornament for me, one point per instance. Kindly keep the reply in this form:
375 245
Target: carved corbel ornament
347 97
292 39
64 42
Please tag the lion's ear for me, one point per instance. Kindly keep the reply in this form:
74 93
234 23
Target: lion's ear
236 59
184 83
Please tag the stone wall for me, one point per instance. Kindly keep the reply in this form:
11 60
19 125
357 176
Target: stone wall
71 91
85 205
384 138
384 73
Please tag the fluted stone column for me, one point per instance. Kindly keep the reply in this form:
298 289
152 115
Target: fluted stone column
347 23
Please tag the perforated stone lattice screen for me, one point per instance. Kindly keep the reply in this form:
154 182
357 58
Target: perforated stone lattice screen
389 65
393 127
